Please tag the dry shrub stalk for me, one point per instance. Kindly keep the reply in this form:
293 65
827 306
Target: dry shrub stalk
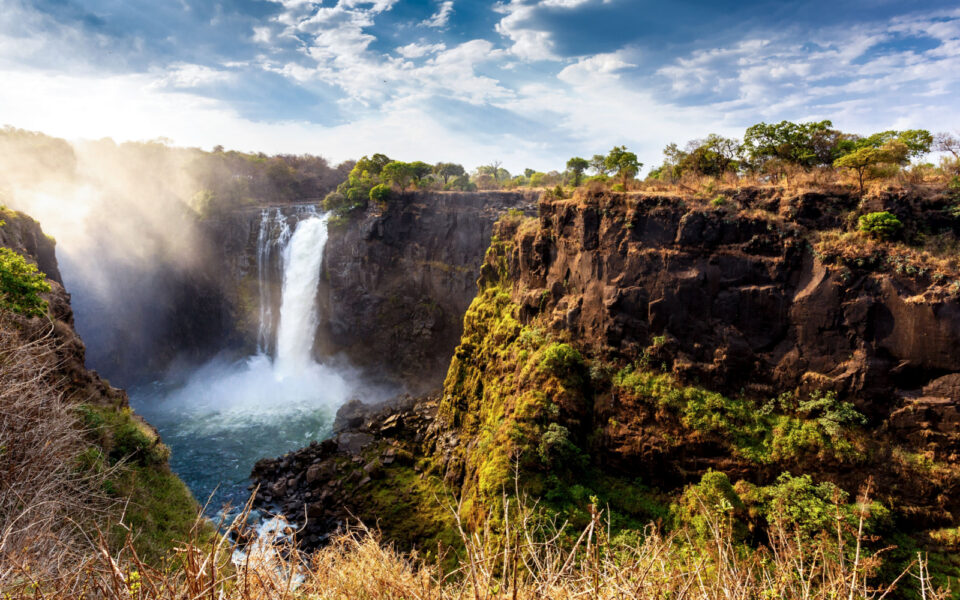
48 498
530 558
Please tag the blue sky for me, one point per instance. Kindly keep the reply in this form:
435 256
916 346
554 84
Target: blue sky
529 83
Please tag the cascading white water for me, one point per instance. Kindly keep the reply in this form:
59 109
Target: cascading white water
229 414
272 237
298 309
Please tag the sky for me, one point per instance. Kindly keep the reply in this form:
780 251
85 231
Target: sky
528 83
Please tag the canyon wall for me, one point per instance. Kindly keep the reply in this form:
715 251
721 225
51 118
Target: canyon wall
398 279
621 346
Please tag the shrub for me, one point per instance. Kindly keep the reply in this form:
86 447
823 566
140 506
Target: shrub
881 225
380 193
21 285
556 450
718 201
561 359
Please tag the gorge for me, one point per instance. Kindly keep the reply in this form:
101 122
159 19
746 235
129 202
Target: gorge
598 348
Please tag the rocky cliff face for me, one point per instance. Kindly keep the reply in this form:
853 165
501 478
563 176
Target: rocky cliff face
625 336
398 280
738 298
23 235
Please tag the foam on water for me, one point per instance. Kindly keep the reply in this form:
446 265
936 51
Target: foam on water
229 414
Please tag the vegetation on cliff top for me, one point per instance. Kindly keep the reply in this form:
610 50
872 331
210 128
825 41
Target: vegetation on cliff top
21 284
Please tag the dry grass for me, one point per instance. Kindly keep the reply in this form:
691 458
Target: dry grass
938 259
47 497
529 558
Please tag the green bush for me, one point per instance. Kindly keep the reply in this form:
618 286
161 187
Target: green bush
21 285
561 359
712 502
718 201
380 193
557 451
881 225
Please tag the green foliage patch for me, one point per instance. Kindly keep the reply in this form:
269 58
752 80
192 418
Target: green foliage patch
781 430
161 510
881 225
21 284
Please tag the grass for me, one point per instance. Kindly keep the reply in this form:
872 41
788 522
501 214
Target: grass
938 259
157 506
534 560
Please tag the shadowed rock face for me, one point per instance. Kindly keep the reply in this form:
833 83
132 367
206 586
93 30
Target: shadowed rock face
738 301
397 282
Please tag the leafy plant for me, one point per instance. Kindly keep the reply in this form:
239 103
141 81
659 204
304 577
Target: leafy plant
21 284
881 225
380 193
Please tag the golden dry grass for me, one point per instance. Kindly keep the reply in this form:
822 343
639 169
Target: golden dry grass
529 558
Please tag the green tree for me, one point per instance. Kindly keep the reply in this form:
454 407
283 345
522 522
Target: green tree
528 172
802 144
420 170
21 285
910 143
860 161
577 166
599 164
398 173
380 193
448 171
372 165
623 163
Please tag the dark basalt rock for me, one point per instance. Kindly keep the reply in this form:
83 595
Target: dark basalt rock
316 487
397 281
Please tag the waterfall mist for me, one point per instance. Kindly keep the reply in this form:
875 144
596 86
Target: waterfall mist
133 223
228 414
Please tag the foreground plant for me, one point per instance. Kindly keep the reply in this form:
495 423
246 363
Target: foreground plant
519 554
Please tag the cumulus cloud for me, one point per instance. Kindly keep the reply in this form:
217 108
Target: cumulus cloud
875 68
416 50
441 18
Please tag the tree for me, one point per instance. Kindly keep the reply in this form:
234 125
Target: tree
372 165
861 160
577 166
494 169
947 142
420 170
599 164
528 172
711 156
447 171
623 163
397 173
803 144
913 143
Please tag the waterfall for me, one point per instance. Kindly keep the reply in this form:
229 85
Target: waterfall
298 309
272 236
228 414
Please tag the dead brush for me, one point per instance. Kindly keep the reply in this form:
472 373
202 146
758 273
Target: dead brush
525 556
48 498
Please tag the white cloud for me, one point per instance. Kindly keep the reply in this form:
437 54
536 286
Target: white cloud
440 18
262 35
588 69
185 76
416 50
